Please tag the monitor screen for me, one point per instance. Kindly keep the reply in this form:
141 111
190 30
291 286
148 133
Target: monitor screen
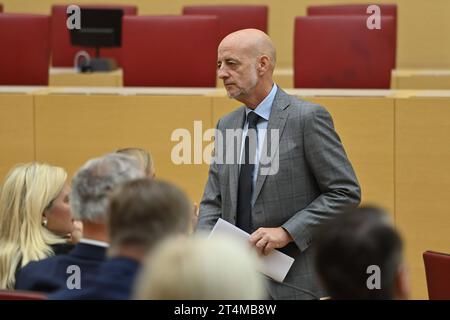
99 28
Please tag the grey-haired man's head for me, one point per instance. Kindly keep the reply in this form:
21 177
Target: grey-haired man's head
93 183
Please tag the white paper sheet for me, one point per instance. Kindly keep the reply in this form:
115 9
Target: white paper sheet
275 265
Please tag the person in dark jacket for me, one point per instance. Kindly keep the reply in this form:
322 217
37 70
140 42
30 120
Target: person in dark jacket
141 214
89 199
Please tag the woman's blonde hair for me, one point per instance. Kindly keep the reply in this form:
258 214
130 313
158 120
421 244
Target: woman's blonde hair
143 157
27 191
200 269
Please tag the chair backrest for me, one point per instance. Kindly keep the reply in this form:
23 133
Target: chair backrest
170 51
25 49
351 9
21 295
389 10
233 17
437 270
63 53
341 52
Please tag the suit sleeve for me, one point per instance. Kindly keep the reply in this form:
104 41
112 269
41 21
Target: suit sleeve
33 277
211 204
326 157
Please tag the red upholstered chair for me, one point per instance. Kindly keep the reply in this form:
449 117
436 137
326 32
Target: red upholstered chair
233 17
351 9
63 53
341 52
389 10
20 295
25 49
437 270
170 51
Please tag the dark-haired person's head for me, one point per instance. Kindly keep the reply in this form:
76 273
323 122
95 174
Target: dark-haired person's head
142 213
359 256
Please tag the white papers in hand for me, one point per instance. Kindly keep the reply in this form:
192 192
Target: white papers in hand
275 265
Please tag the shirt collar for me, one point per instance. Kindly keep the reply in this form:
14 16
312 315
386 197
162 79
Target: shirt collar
94 242
263 109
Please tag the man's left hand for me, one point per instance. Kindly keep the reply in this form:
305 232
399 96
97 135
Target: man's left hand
267 239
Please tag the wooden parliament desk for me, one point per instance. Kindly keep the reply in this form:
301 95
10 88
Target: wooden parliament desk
422 177
404 79
284 77
397 141
75 124
17 143
69 77
422 79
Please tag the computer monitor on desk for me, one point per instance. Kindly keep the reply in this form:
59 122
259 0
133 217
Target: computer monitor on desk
100 28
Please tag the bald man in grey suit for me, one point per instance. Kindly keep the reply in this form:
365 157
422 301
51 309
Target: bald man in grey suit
307 180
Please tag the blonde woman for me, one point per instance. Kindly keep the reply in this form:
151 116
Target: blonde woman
143 157
200 269
35 218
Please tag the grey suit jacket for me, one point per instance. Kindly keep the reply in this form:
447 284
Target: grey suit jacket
314 182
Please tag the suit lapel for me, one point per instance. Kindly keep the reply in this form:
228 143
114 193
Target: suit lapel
277 121
238 123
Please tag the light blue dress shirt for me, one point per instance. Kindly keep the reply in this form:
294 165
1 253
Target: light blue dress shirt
263 110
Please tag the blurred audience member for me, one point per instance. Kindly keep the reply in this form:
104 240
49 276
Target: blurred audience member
141 214
200 269
359 256
89 201
35 218
143 157
146 162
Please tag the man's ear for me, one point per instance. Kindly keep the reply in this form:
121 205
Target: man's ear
402 287
263 64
